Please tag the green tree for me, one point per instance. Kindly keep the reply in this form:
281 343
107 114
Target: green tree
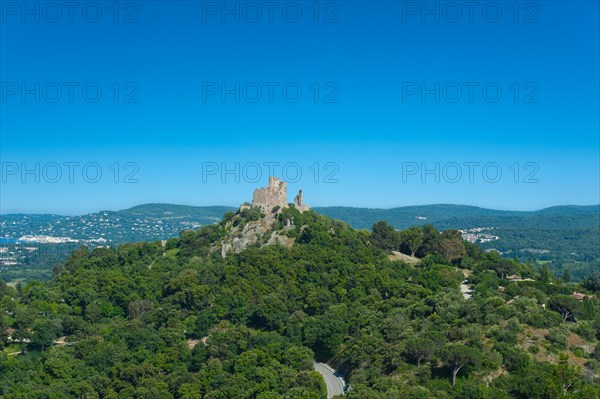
566 305
592 283
457 356
3 331
24 319
566 277
545 274
411 239
420 349
136 309
271 312
431 241
452 249
385 236
567 375
45 331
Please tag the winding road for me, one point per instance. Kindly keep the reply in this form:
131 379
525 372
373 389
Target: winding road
335 384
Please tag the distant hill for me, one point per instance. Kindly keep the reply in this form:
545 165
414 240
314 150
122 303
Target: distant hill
447 216
566 236
147 222
168 211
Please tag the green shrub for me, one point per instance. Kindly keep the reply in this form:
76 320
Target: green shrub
579 352
513 358
558 336
585 330
419 393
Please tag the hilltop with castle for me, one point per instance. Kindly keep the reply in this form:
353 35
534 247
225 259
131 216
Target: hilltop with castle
270 200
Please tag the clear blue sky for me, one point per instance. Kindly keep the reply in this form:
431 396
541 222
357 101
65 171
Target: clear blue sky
371 122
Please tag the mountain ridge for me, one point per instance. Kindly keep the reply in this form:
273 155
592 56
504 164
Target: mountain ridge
215 207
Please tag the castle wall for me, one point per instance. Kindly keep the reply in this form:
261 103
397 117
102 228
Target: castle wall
269 197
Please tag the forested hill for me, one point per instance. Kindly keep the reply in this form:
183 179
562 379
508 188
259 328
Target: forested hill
180 321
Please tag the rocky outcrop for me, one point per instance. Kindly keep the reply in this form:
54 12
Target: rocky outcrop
241 237
253 232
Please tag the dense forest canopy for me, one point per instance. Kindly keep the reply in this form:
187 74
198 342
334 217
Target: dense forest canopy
180 321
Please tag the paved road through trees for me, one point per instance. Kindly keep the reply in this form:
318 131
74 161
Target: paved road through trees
335 384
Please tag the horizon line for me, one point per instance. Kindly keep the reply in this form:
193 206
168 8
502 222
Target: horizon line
312 207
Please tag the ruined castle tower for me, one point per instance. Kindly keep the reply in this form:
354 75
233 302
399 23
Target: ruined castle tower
298 204
275 194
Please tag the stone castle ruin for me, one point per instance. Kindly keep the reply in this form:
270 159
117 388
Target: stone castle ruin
275 195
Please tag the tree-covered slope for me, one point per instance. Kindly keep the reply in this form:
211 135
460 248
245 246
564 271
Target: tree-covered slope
568 237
